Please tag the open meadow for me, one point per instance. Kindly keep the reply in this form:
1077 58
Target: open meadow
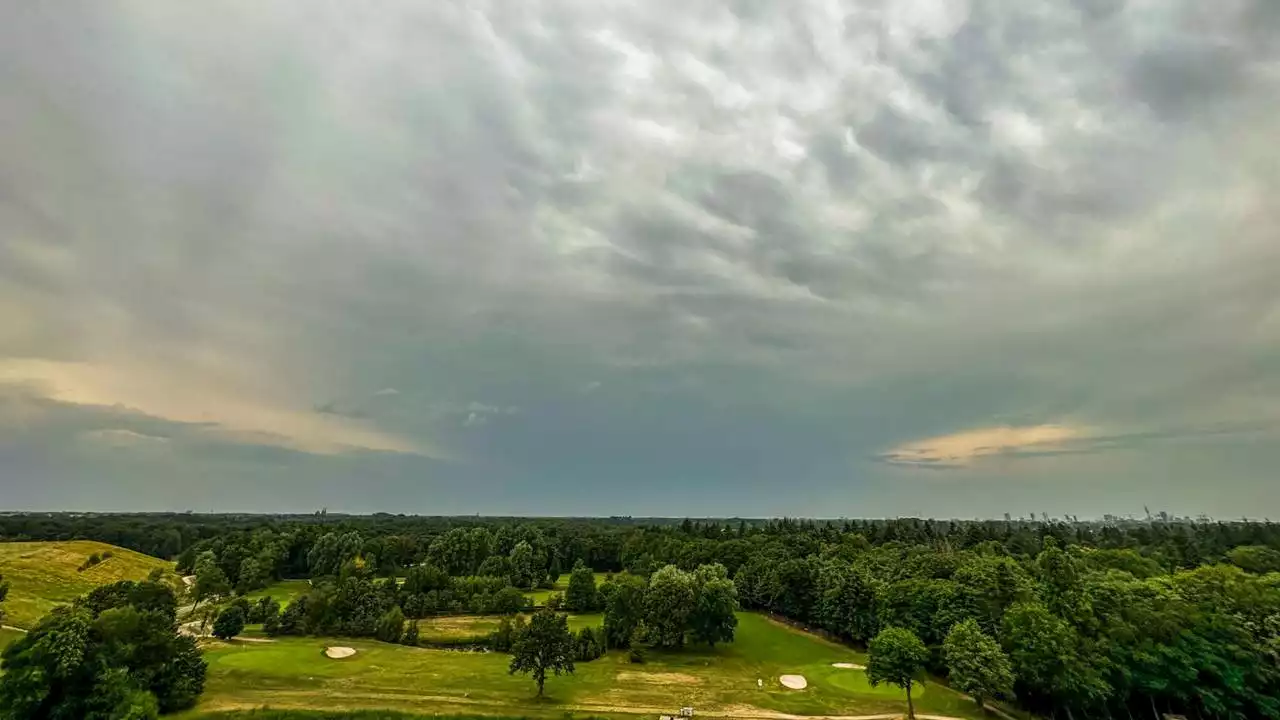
294 673
561 586
43 575
283 591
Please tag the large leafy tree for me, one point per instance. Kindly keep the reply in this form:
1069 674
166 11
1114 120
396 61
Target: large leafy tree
230 622
976 665
847 601
211 581
623 608
668 603
4 592
544 645
524 571
897 657
712 619
1048 655
581 595
116 654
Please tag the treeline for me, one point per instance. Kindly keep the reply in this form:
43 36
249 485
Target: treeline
1101 633
608 544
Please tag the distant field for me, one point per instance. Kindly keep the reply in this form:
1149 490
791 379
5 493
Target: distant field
293 674
43 575
465 628
284 591
539 597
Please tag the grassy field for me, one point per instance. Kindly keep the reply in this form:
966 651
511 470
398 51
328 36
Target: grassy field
293 673
466 628
7 636
539 597
347 715
284 591
43 575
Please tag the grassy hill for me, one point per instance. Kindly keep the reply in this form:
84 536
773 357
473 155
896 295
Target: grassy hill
43 575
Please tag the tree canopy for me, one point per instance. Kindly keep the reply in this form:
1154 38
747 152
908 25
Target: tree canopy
544 645
115 653
898 657
975 663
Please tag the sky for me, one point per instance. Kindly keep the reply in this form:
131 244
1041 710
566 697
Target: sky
949 258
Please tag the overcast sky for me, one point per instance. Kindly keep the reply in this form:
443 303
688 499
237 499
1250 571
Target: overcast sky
738 257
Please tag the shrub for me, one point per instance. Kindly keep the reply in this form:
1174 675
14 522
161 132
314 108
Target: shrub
390 626
410 636
588 645
230 622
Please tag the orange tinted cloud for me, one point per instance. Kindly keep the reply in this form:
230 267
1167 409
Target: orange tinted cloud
230 412
964 448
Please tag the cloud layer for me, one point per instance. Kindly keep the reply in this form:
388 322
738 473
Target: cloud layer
765 259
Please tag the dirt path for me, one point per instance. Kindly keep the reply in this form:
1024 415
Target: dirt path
10 627
193 629
336 700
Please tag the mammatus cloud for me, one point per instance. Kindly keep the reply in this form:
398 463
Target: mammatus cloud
791 240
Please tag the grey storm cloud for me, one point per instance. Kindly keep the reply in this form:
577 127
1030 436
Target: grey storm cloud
689 255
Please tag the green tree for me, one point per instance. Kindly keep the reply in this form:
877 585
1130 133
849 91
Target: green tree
976 665
523 569
847 601
264 610
712 619
210 581
253 575
897 657
623 608
1046 651
667 604
1255 559
581 596
1059 575
390 626
545 644
115 654
4 593
230 622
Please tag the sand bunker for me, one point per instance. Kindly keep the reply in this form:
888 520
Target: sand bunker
337 653
849 666
795 682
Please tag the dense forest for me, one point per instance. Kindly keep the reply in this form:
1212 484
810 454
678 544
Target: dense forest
1093 619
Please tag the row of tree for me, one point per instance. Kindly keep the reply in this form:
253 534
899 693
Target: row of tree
280 546
1070 630
670 607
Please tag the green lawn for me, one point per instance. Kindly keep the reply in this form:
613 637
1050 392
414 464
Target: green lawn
324 715
465 628
293 673
43 575
539 597
284 591
7 636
